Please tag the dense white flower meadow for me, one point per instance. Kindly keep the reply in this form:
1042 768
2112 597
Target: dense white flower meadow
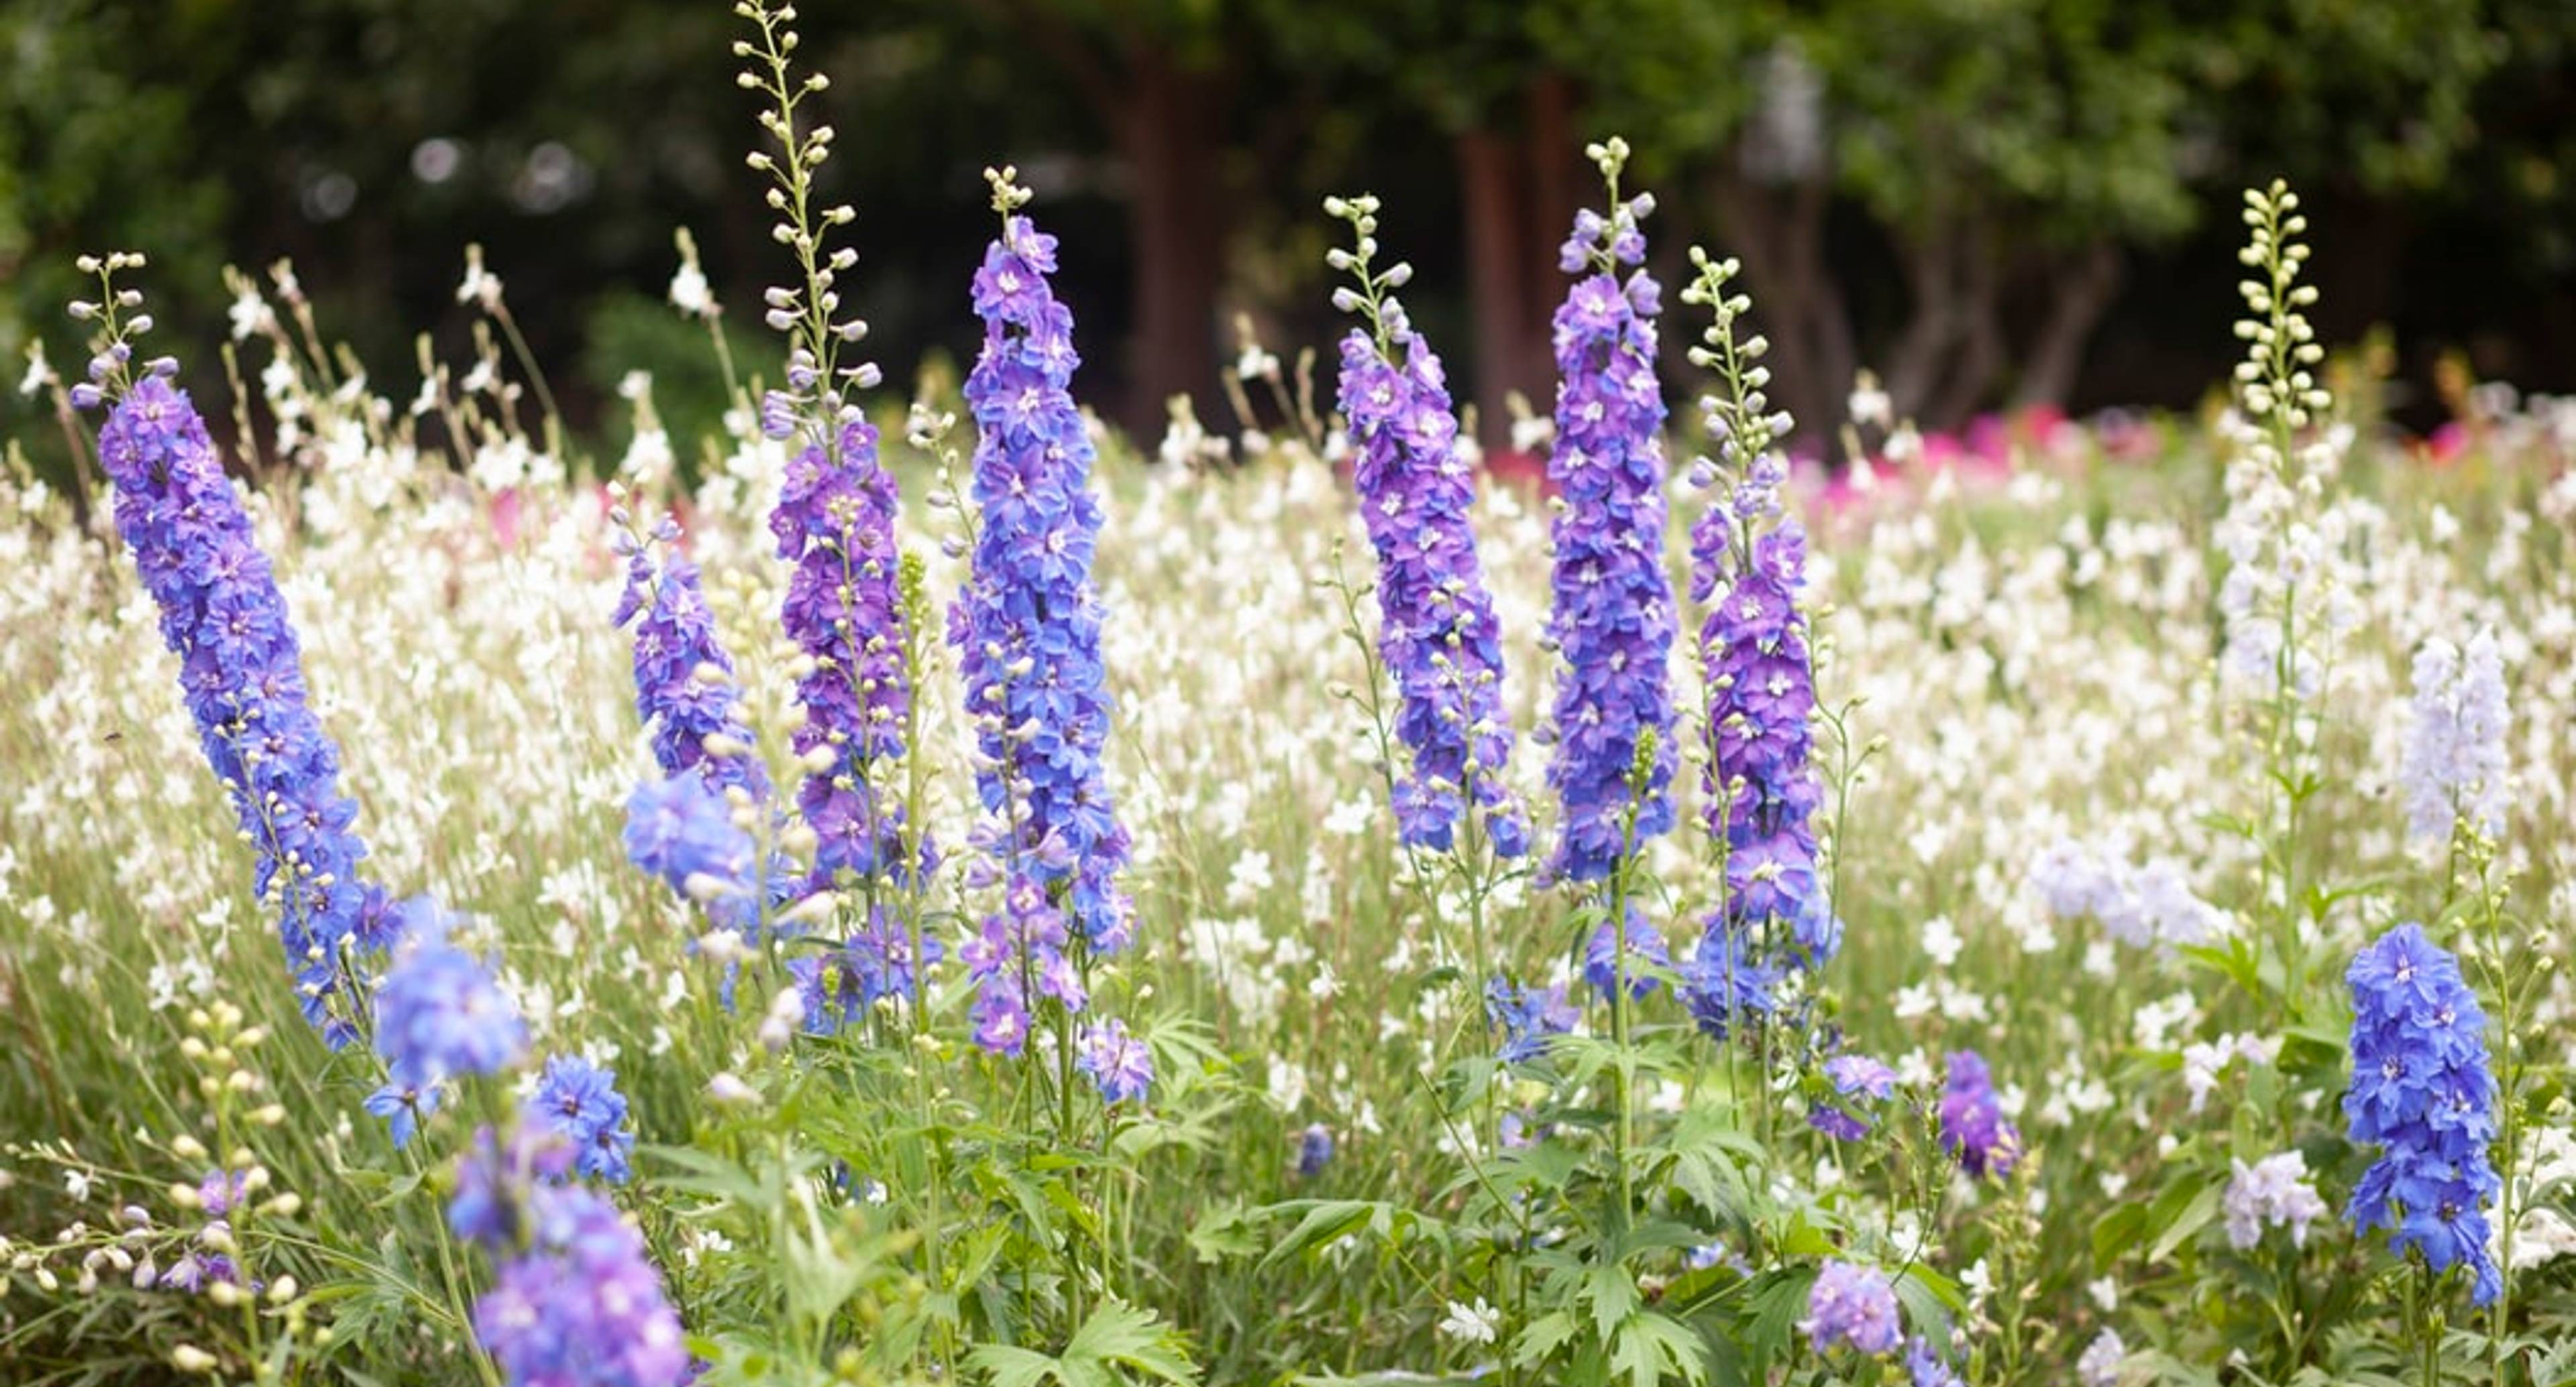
2098 1050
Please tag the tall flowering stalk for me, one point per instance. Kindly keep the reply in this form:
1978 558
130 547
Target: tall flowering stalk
2279 599
835 519
1612 623
2456 766
1437 633
2422 1092
241 668
1027 631
1748 567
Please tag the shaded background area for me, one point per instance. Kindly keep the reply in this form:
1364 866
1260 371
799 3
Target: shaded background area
1988 202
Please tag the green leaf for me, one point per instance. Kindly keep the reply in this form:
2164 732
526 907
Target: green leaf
1541 1337
1122 1335
2182 1223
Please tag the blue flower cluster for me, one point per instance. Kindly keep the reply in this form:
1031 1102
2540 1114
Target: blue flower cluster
575 1300
1027 624
675 645
440 1014
1314 1150
844 610
1762 789
1019 949
874 964
1119 1064
1856 1079
1527 1017
1437 631
1646 950
682 831
1973 1126
2422 1092
1855 1305
1612 623
241 673
579 1102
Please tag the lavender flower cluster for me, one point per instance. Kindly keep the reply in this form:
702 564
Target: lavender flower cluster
1437 632
1612 621
241 673
2422 1092
2456 765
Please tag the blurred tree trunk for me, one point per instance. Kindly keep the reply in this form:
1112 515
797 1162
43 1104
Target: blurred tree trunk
1494 194
1518 191
1778 231
1166 124
2080 291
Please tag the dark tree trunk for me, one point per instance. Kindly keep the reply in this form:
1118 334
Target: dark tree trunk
1779 234
1165 122
1494 195
2080 291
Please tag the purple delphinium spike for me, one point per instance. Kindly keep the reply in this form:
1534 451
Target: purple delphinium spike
1748 567
1027 623
2423 1094
835 523
242 676
1612 622
684 686
1026 627
1437 632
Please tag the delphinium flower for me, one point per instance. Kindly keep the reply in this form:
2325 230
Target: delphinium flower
240 666
1314 1150
1854 1305
1027 624
1437 633
1017 957
579 1101
2455 769
1612 623
574 1301
874 964
2099 1364
846 607
440 1014
1725 985
1645 945
1118 1064
2273 1191
1527 1017
1856 1078
684 832
1926 1367
2147 905
684 683
1748 566
1973 1127
1027 631
2422 1093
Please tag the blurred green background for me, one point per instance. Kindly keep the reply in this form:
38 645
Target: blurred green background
1989 202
